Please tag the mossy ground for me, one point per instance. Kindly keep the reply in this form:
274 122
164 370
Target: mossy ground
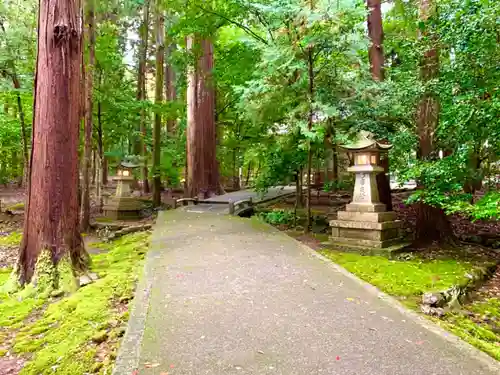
59 336
12 239
478 324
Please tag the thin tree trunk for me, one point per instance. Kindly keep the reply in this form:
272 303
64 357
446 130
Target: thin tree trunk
432 222
170 91
100 158
203 176
51 231
249 170
94 169
310 71
160 54
89 80
141 95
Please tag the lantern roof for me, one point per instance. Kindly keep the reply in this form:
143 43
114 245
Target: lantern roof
128 164
366 141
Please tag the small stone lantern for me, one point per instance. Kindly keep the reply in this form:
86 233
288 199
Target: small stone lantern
366 152
122 205
366 223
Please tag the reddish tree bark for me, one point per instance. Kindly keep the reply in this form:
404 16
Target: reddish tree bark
89 80
160 54
376 55
51 221
432 222
141 147
376 35
202 166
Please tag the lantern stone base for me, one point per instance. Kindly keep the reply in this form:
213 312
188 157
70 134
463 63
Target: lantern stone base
370 229
123 208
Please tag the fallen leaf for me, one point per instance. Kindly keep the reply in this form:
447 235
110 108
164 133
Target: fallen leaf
350 299
337 358
172 366
151 365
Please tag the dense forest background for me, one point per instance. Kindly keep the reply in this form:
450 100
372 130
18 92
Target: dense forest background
224 94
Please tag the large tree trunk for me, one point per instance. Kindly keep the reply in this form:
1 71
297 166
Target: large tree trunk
51 238
376 55
202 166
89 80
141 147
432 223
160 54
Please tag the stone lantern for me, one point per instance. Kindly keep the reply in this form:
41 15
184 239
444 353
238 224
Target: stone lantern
123 205
366 223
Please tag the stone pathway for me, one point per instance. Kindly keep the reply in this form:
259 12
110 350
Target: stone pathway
224 295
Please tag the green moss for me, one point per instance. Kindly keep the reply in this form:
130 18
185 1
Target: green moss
67 326
409 279
65 276
12 239
402 278
16 207
4 275
482 332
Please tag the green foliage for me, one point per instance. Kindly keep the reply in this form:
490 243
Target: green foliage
277 217
486 208
338 185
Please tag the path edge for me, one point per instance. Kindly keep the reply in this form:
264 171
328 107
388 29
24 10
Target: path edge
450 337
129 352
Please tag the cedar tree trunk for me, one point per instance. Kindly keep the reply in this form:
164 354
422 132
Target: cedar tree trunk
432 223
141 147
160 54
87 155
51 232
202 166
376 55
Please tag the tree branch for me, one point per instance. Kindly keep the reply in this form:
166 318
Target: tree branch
241 26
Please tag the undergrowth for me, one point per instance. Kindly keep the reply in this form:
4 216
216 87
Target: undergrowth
64 340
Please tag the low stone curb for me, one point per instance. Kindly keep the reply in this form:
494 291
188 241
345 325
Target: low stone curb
438 303
129 353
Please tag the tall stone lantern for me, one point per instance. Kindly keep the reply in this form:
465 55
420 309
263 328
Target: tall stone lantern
366 223
123 205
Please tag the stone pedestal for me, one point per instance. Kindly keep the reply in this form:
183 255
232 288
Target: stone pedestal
122 206
365 224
